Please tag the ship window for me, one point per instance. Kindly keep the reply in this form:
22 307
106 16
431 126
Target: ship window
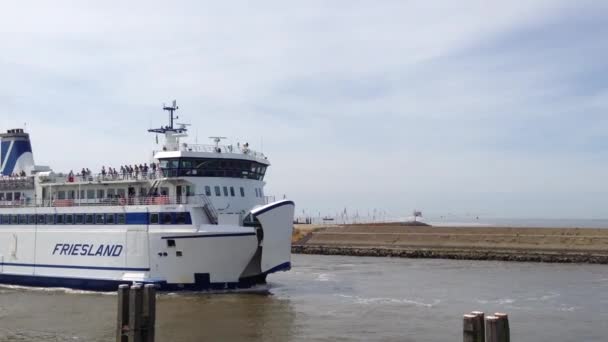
14 219
90 194
186 164
59 219
17 196
166 218
88 219
100 193
79 218
71 194
180 218
154 218
207 190
232 191
69 219
50 219
5 219
40 219
170 243
100 219
218 191
111 193
256 192
169 164
1 196
61 195
22 219
242 192
120 192
31 219
120 218
82 194
9 196
226 191
110 219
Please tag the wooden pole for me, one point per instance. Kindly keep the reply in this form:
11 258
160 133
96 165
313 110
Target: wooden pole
135 313
492 329
122 321
503 322
473 327
149 313
497 329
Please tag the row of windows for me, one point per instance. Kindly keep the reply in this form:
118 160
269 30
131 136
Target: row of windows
228 191
106 219
103 193
10 196
208 167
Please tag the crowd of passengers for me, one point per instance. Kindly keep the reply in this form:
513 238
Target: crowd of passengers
125 172
13 176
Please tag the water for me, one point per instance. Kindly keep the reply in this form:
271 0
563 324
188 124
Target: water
335 298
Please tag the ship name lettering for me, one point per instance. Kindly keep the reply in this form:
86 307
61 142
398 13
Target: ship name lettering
85 249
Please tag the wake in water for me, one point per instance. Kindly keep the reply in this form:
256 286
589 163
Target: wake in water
388 301
258 289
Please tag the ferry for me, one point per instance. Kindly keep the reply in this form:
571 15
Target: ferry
194 217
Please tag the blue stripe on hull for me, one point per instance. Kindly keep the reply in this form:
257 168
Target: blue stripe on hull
202 282
97 268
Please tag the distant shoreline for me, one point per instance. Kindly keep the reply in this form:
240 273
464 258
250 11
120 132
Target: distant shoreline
563 245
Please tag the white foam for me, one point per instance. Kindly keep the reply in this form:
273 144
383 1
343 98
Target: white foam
389 301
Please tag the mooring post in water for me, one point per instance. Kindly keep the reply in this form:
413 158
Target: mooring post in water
135 313
149 313
503 327
497 329
122 321
473 327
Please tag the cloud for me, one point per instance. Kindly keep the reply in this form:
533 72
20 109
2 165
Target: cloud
391 105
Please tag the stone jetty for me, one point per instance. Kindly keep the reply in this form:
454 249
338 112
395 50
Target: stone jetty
567 245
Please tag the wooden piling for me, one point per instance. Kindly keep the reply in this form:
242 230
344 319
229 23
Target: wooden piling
473 327
122 321
503 322
491 329
135 313
149 313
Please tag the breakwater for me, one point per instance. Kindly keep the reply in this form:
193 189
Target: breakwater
565 245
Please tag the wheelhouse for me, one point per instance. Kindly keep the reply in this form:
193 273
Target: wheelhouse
212 167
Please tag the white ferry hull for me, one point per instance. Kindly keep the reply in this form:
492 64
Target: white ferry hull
180 257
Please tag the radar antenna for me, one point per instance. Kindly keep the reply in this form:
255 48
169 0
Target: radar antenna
217 141
171 109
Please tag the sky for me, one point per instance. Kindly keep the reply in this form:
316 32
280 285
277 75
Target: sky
485 108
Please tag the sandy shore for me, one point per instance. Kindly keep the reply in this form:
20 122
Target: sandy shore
498 243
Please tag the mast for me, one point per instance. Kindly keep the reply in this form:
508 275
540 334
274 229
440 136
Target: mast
172 134
172 118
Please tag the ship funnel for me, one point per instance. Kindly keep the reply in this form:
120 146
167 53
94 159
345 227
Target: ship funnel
15 153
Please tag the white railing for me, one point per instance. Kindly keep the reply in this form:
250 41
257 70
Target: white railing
217 149
197 200
269 199
108 177
16 183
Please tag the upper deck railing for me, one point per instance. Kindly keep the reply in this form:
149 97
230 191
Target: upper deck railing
196 200
107 177
16 183
241 149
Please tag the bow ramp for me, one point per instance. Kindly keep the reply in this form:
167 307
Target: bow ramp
276 220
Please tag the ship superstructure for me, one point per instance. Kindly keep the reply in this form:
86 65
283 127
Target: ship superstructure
193 217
